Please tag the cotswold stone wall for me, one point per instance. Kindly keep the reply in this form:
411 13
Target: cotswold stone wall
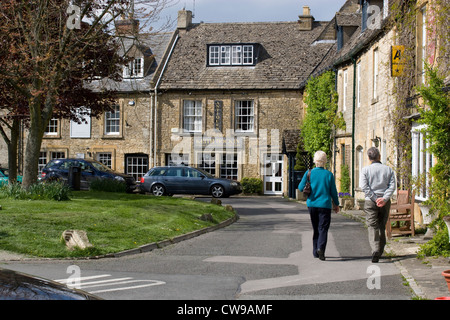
133 136
274 111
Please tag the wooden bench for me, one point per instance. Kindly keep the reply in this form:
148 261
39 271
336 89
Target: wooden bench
402 210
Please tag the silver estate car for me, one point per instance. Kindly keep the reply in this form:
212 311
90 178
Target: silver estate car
187 180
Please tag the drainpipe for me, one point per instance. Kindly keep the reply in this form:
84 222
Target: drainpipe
150 130
353 126
334 127
155 99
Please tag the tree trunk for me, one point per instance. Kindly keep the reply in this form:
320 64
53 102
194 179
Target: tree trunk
12 151
38 122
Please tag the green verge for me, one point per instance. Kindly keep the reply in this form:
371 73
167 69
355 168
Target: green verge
114 222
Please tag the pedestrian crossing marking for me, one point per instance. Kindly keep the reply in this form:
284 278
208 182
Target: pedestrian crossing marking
114 283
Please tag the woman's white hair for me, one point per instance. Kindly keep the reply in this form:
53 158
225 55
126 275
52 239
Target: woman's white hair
320 159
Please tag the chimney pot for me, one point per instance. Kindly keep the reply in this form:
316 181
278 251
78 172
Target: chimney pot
306 20
306 11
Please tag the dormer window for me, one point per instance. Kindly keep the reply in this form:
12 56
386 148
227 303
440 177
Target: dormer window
134 69
231 55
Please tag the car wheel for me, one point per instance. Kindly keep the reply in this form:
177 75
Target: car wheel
158 190
217 191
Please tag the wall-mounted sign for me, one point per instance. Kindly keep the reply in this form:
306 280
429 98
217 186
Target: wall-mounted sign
397 61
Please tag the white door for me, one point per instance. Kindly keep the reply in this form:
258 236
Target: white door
273 174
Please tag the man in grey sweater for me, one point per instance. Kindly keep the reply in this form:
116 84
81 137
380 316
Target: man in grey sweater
378 183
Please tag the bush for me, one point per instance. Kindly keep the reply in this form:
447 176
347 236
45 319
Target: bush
108 185
54 190
345 178
252 185
438 246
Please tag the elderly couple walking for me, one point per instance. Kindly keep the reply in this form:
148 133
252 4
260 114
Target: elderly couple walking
378 183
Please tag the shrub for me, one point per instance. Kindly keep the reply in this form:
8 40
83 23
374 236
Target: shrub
345 178
438 246
108 185
252 185
54 190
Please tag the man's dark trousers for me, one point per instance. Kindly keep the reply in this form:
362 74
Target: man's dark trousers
320 219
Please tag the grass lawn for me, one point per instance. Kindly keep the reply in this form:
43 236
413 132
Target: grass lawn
113 221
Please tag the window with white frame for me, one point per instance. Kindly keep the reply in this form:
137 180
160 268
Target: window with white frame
344 95
375 73
422 160
81 128
52 127
247 55
244 116
112 121
225 55
192 116
359 164
134 69
105 158
136 165
231 55
42 161
423 44
173 159
229 166
358 84
57 155
214 56
208 162
237 55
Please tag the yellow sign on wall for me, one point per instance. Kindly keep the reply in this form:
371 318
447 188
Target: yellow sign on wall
397 61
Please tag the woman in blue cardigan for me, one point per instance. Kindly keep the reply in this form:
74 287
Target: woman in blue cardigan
319 203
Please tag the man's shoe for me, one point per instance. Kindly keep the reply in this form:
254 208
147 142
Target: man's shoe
375 257
321 254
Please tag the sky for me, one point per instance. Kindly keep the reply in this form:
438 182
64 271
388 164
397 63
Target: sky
253 10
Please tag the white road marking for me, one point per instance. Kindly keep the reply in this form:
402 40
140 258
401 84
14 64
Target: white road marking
115 283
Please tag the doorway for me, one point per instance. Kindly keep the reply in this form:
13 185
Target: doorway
273 174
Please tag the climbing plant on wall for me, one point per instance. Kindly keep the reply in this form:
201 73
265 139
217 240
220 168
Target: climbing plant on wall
321 114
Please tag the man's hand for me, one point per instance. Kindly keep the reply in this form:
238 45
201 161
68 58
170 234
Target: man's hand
380 202
336 208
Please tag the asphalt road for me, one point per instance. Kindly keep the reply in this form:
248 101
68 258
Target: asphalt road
265 255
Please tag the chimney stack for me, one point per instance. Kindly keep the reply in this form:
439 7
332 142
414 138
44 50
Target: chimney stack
184 19
306 19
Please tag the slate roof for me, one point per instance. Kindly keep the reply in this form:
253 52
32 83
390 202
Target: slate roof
348 19
151 45
287 58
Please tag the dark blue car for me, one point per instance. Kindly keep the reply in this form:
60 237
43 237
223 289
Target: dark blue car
58 169
187 180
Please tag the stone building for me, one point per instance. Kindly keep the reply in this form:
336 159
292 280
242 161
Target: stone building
120 138
367 67
364 86
230 91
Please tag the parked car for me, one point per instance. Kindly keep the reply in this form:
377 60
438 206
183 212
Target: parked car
58 169
4 174
187 180
20 286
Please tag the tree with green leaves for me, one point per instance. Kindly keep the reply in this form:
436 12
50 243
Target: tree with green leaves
321 117
435 115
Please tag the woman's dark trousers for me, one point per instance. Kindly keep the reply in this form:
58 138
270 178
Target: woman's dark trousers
320 219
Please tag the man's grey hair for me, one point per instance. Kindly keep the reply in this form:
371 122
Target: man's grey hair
373 154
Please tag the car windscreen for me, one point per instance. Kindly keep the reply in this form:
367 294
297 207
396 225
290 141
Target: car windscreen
206 173
157 172
100 166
